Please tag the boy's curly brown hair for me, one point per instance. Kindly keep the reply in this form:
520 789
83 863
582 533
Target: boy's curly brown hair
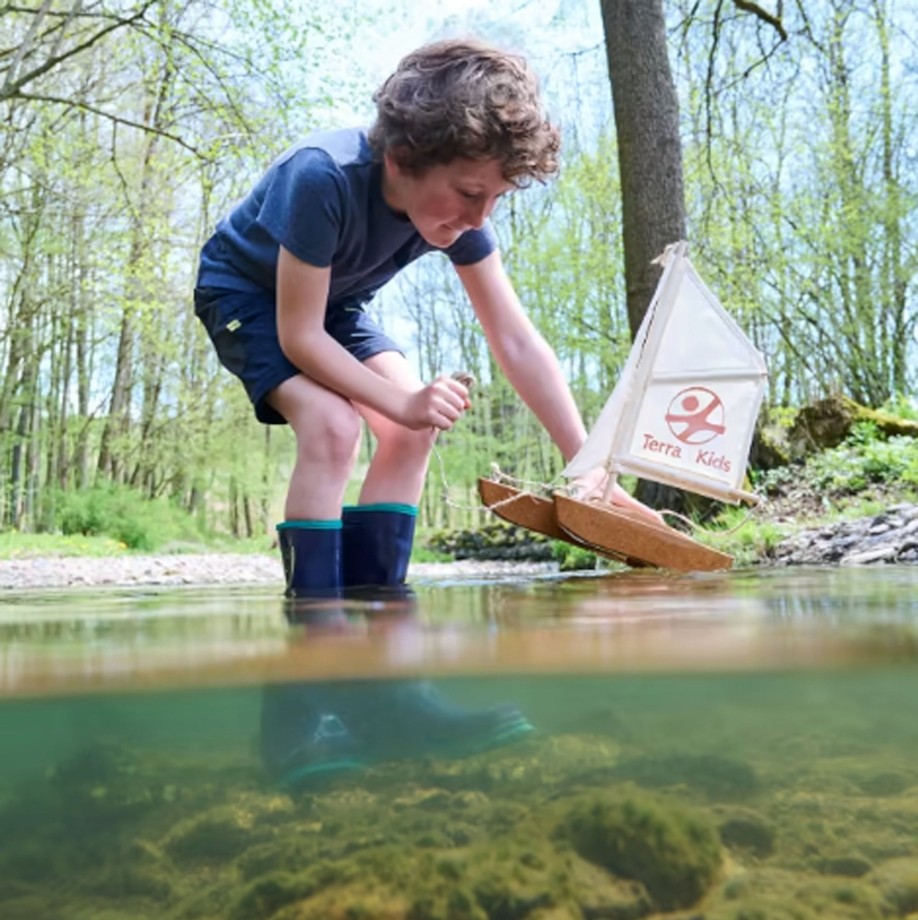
462 98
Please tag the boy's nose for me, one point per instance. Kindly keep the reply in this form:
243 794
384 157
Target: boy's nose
476 214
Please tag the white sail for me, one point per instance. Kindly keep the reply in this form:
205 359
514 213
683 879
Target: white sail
685 407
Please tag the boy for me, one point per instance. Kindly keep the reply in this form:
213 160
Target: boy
284 281
281 290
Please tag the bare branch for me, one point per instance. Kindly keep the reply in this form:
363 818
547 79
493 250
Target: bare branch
13 88
116 119
747 6
24 46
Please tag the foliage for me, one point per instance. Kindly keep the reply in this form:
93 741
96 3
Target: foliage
863 459
572 558
128 129
742 535
902 406
15 545
124 515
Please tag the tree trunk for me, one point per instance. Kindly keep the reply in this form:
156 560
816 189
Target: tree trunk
650 161
649 149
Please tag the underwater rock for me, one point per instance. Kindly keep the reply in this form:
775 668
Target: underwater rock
286 853
716 777
884 783
542 762
32 907
674 851
214 836
848 866
104 785
897 882
783 894
269 894
600 896
125 881
745 829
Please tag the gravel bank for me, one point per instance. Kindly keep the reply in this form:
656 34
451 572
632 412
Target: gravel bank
201 569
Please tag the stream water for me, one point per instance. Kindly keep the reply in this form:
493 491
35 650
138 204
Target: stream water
740 745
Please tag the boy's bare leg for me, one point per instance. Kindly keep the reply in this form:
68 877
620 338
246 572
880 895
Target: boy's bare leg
399 465
327 429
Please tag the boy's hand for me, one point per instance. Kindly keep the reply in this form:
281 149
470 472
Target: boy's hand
591 487
437 405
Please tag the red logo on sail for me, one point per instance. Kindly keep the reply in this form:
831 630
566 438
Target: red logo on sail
696 415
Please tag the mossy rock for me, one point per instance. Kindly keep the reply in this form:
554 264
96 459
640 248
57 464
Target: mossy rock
769 449
266 896
827 422
672 850
897 882
34 907
849 866
786 895
216 836
745 830
121 881
495 541
720 778
102 787
884 783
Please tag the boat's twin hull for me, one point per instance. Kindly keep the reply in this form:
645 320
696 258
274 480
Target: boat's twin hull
603 529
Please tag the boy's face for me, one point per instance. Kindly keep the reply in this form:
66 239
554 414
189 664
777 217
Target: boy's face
447 200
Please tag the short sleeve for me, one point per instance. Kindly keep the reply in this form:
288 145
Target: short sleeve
473 246
302 208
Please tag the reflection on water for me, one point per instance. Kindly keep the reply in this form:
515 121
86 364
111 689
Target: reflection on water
724 747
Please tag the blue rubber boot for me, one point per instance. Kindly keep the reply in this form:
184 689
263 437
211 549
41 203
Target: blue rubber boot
376 545
302 738
404 718
311 555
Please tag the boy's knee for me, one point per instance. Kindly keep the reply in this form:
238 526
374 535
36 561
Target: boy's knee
331 434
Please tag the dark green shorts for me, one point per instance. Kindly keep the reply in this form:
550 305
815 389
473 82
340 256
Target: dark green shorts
243 328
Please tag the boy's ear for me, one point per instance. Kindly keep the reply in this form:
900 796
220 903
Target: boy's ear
393 160
397 160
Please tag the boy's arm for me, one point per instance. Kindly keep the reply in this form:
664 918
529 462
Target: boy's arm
302 297
531 366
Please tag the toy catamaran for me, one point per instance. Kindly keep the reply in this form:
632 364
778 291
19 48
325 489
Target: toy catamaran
683 414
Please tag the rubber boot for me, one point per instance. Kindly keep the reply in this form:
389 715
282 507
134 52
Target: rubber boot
404 718
301 737
376 545
311 556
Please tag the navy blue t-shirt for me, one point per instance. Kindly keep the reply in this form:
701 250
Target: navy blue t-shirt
323 202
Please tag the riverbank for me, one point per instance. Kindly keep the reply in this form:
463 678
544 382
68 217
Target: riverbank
889 536
201 569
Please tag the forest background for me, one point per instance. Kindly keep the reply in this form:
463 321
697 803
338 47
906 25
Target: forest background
130 126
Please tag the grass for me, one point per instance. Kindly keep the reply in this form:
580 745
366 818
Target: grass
15 545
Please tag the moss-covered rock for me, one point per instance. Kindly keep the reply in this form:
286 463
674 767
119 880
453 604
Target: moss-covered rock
493 541
827 422
746 830
264 897
897 882
672 850
216 835
721 778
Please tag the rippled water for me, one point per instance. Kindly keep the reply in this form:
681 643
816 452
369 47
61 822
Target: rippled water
734 746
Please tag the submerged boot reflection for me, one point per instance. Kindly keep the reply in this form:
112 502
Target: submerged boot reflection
312 731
